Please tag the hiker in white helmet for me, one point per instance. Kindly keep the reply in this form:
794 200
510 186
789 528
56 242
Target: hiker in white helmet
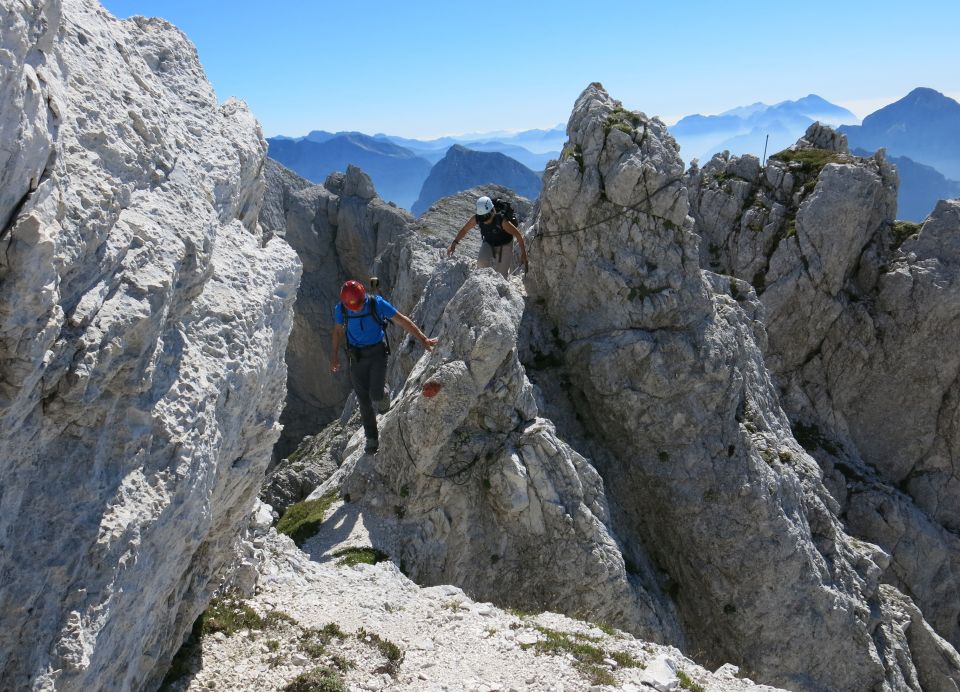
498 232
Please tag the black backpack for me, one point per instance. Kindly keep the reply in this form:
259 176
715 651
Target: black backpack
505 209
492 232
371 304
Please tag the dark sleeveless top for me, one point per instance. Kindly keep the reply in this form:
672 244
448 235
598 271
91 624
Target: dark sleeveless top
492 232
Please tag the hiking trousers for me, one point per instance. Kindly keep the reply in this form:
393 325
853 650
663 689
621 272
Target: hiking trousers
499 257
368 373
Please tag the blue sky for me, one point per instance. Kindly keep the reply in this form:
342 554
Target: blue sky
424 69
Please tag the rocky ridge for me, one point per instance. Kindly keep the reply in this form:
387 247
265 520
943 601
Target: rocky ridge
862 315
142 331
693 349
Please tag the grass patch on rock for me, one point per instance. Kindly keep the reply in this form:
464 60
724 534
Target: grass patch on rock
811 161
348 557
687 683
319 679
903 230
583 648
389 650
303 519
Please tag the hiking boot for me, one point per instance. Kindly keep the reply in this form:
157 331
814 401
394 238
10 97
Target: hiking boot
373 444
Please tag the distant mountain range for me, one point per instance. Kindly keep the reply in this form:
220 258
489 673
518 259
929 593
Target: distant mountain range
462 168
396 172
399 166
924 125
921 133
743 130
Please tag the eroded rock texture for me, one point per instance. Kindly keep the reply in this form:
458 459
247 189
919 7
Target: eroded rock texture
484 492
667 368
142 328
863 316
337 230
655 431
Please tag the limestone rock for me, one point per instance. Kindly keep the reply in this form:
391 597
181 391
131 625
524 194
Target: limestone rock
338 230
863 317
481 491
142 328
666 368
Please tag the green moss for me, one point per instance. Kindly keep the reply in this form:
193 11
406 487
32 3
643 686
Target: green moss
303 519
584 650
621 119
276 618
342 662
759 282
687 683
903 230
811 161
356 556
229 615
320 679
387 648
273 646
573 151
626 660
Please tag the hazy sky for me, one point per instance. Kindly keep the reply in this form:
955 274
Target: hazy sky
426 68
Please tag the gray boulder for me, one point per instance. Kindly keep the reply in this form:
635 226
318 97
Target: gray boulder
667 367
863 317
479 491
143 322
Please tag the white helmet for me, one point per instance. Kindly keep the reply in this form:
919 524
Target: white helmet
484 206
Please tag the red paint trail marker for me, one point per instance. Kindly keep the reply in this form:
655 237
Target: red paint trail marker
430 389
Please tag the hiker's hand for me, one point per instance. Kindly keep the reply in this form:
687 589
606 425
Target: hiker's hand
429 343
334 364
453 246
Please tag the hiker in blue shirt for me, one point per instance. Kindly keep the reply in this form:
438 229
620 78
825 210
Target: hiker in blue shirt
361 319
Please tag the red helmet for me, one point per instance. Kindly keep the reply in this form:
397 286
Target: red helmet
352 294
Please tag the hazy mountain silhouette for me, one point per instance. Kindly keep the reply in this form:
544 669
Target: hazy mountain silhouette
397 173
464 168
744 129
924 125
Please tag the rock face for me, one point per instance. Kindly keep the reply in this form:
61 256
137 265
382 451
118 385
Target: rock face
482 492
142 327
863 319
464 168
667 369
337 229
636 404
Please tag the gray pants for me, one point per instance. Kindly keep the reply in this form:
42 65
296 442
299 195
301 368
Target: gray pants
500 257
368 371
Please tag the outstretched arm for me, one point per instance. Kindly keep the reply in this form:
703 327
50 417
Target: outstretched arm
338 331
515 232
463 231
413 330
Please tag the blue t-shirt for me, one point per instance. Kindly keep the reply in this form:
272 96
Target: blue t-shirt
362 327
